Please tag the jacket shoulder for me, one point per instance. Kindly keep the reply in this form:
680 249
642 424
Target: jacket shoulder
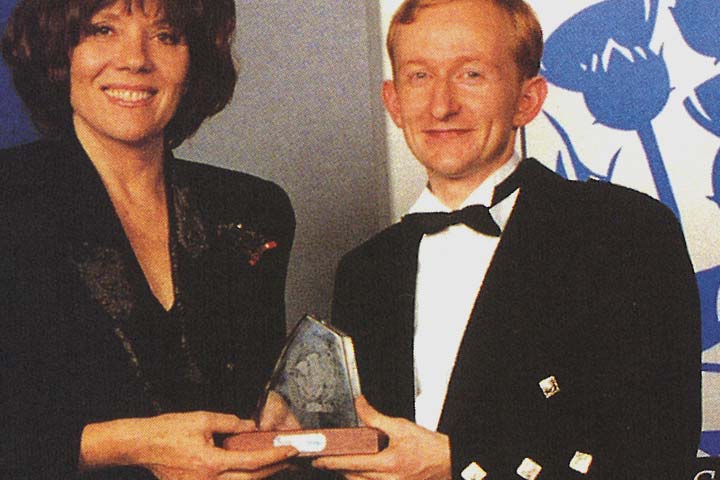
229 195
621 205
27 169
227 181
376 249
597 201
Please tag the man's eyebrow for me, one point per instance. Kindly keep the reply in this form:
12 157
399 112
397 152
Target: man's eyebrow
460 60
412 63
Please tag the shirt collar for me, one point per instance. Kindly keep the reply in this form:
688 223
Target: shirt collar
482 195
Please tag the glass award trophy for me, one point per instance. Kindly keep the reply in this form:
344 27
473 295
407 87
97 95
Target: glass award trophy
309 402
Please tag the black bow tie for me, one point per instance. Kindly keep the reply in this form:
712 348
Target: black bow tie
476 217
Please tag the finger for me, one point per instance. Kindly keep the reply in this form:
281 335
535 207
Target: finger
371 417
225 423
261 473
363 476
251 460
354 463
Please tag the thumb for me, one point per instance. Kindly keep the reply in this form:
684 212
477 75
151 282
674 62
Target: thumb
371 417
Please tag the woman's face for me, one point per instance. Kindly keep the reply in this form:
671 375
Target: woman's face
127 75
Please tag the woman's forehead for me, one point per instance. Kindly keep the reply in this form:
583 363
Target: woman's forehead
148 7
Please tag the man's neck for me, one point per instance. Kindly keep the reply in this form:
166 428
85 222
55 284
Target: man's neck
453 192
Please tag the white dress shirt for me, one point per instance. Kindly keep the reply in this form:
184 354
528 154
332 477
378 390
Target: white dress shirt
451 268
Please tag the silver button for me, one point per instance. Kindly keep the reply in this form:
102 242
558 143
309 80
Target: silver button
529 469
549 386
581 462
473 472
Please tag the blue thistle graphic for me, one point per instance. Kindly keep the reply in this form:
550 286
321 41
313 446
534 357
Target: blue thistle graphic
715 197
627 89
710 443
707 114
707 111
603 52
709 286
560 166
582 171
569 48
698 21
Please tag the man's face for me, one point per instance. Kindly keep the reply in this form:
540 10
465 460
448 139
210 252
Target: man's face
458 94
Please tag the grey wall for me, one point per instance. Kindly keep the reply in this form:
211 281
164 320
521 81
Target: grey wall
307 115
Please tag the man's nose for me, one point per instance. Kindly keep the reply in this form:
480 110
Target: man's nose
444 103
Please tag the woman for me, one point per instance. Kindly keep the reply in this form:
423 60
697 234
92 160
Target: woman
138 292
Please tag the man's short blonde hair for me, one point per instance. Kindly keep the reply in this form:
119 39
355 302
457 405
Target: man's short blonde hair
528 34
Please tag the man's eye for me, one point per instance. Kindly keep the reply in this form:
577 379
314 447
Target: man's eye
418 75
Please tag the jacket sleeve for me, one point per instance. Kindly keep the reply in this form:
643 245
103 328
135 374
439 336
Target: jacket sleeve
39 421
658 425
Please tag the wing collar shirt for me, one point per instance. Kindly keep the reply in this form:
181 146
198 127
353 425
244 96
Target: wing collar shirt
451 268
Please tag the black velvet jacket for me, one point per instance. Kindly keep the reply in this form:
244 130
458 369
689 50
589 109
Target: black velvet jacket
84 340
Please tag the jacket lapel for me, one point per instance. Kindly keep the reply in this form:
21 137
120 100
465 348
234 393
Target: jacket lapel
510 316
397 290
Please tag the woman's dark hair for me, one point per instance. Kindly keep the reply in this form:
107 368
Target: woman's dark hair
41 34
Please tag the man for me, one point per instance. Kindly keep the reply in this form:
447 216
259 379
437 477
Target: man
561 339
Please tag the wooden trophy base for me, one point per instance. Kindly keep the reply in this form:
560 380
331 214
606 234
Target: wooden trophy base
313 443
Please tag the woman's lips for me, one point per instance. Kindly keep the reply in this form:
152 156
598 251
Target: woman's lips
129 96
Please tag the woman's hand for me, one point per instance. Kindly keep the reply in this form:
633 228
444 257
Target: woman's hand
178 446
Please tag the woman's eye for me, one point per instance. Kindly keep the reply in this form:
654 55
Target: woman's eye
169 38
101 30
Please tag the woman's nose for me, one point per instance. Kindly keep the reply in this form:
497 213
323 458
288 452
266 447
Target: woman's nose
134 53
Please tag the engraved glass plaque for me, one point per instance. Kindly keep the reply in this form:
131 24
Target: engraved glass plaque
309 402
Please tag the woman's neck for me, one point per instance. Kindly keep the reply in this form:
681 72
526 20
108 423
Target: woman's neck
130 172
134 178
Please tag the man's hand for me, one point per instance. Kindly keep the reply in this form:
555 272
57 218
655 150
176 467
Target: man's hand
179 447
414 453
276 414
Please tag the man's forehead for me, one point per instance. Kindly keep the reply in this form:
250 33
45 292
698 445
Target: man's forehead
475 33
478 13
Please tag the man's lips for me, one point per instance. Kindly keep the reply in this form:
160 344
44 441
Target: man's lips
446 133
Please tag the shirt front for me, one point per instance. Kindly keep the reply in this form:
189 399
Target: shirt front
451 268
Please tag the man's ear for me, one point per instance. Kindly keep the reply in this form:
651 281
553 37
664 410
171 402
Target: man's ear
533 92
392 102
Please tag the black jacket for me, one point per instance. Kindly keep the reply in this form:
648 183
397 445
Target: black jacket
591 284
62 365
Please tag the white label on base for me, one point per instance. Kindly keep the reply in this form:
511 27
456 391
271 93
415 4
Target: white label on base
303 442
